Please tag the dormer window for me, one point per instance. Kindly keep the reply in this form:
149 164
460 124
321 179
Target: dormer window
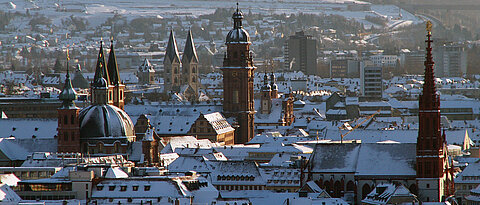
99 187
146 188
123 188
135 187
111 188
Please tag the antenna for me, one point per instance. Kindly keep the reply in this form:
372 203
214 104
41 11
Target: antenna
237 5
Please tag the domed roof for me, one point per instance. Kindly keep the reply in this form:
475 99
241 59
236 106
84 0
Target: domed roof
99 121
267 87
101 83
238 35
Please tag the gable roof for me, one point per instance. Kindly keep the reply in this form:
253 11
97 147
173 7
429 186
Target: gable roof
218 122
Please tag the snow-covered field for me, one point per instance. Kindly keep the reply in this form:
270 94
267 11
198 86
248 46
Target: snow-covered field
98 11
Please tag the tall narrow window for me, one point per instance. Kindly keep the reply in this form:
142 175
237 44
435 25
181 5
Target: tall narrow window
72 119
235 96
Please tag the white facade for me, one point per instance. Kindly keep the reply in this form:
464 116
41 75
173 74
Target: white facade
384 60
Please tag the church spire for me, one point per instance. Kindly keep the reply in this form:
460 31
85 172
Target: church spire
189 53
68 94
101 68
172 51
112 66
429 100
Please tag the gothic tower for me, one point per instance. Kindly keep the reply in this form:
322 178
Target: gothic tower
114 75
190 65
433 178
102 90
171 65
266 96
68 125
238 78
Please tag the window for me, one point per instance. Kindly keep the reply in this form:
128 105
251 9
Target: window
123 188
99 187
135 188
235 96
65 119
146 188
72 120
66 136
111 188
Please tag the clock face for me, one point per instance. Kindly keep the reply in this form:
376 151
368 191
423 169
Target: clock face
234 74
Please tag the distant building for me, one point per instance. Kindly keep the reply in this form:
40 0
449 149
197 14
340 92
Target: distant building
450 60
301 53
345 68
181 74
146 73
371 85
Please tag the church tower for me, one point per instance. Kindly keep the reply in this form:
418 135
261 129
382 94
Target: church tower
238 78
68 124
274 86
102 90
433 178
171 65
266 96
114 75
190 65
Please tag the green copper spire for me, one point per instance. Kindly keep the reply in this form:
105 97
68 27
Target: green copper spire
68 94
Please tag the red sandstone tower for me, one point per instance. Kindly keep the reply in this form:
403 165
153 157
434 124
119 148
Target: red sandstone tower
238 77
433 177
68 125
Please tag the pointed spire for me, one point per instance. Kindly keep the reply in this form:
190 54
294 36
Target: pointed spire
172 51
429 100
68 94
101 68
189 53
112 66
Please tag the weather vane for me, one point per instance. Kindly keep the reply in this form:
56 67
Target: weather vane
429 26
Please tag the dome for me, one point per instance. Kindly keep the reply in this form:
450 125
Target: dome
267 87
100 83
100 121
238 35
274 87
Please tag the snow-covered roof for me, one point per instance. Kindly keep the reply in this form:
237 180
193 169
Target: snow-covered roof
115 173
218 122
22 128
359 158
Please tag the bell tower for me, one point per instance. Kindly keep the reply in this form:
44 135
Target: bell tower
433 177
266 96
114 75
68 124
238 77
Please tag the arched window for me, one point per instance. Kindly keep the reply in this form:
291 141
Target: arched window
116 147
365 190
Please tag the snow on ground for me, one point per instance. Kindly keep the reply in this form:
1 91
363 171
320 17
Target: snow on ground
98 11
